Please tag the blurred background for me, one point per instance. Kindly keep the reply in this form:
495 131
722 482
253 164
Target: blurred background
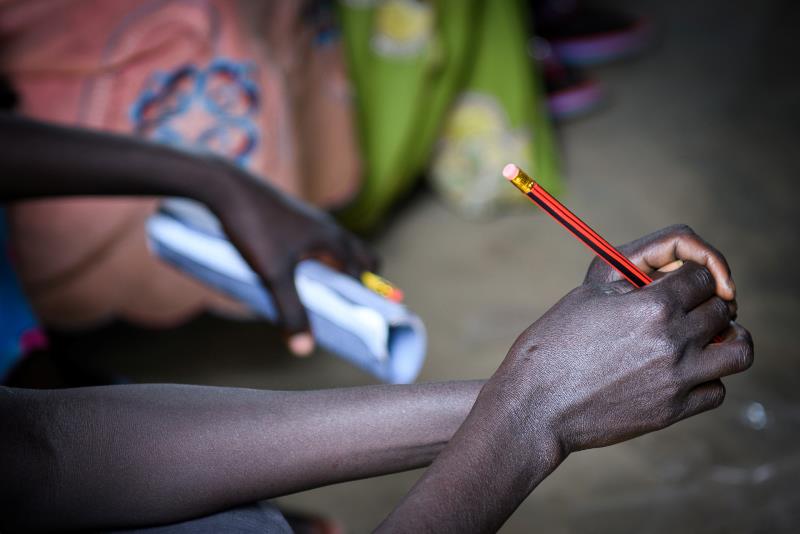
683 112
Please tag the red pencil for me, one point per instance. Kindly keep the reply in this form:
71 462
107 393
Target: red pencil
577 227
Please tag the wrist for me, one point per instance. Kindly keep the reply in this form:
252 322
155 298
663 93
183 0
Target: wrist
522 425
531 404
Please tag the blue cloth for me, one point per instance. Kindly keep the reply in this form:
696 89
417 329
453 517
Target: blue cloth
18 324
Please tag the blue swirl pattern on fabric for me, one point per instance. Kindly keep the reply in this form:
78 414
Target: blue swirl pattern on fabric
210 110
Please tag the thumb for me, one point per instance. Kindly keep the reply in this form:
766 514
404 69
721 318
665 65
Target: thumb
292 314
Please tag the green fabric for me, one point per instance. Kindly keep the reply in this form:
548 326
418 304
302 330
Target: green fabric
404 91
502 68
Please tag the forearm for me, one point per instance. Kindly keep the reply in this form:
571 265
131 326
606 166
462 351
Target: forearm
143 454
503 450
39 160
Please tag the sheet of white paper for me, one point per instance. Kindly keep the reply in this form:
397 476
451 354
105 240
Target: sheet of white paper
220 255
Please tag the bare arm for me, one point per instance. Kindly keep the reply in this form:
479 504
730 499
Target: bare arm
605 364
154 454
42 160
272 231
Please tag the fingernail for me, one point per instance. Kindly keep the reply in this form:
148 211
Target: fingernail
668 268
301 344
732 287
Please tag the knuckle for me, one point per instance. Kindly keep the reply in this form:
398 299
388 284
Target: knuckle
716 396
743 356
703 277
663 346
661 308
719 308
699 327
676 385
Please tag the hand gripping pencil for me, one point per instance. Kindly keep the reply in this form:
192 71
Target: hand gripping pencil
577 227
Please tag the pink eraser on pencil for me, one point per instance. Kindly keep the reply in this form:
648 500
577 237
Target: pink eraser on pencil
510 171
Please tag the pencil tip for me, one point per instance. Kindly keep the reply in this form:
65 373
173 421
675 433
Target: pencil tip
510 171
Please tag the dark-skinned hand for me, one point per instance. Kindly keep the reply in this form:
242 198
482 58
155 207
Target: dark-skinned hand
274 232
610 362
665 250
606 363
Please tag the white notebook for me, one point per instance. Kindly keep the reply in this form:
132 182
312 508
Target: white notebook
380 336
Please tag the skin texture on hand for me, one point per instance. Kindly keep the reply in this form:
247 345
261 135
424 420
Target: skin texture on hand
274 232
664 247
605 364
635 360
664 251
